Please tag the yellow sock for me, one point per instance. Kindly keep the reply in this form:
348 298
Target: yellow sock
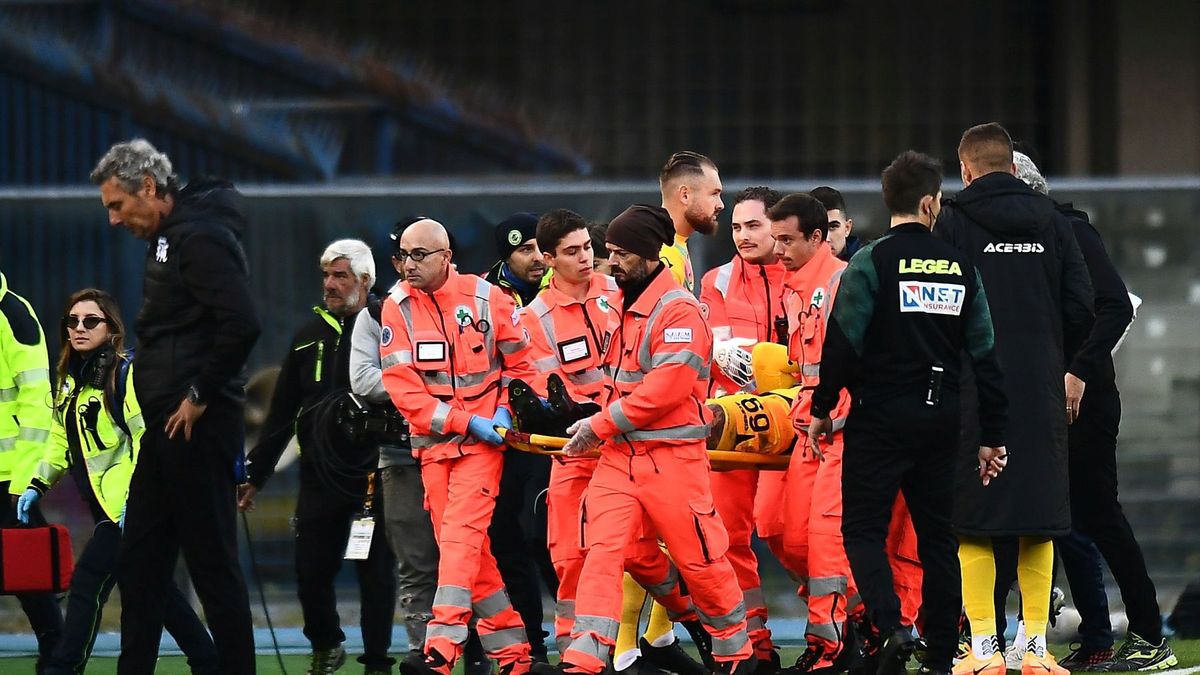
633 599
978 563
1035 565
658 626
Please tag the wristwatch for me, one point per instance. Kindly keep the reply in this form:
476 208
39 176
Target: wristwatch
193 395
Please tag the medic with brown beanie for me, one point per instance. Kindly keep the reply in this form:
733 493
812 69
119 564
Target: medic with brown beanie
450 344
653 471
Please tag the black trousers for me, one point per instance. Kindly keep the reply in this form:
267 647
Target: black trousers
1096 510
183 499
518 534
45 618
904 446
323 517
91 585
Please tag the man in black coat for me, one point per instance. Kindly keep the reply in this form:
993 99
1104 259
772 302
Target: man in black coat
1041 299
195 329
1096 513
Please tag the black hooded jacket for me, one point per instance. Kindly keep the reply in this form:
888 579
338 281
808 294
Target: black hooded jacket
197 323
1092 361
1041 299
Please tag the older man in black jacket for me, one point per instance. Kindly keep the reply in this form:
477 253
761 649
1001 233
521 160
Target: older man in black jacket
195 329
1096 512
1041 299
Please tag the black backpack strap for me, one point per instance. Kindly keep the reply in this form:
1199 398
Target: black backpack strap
116 404
375 307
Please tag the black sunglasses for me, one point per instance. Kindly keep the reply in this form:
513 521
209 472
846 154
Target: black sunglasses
89 322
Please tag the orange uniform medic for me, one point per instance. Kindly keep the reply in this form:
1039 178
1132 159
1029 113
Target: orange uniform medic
448 356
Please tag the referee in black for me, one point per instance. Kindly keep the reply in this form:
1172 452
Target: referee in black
908 306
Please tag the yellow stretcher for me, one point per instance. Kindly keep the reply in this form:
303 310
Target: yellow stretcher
721 460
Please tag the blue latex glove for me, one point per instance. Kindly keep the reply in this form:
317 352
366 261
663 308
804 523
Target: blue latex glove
481 428
25 502
502 418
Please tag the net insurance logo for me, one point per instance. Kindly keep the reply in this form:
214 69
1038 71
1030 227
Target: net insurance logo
930 297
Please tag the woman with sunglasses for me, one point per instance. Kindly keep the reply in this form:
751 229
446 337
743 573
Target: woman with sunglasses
97 427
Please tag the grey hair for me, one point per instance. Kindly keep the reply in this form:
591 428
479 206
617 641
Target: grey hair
132 160
354 251
1028 172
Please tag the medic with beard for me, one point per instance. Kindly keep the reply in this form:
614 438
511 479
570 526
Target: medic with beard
653 474
520 269
743 300
691 193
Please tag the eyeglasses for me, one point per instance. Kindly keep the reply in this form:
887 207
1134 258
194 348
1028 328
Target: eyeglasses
89 322
417 255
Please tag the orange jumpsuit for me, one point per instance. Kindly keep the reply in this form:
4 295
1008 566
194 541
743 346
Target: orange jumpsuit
446 356
653 471
812 542
742 300
568 337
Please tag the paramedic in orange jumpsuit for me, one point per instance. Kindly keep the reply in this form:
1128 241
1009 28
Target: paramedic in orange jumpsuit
812 543
743 300
449 345
569 325
653 469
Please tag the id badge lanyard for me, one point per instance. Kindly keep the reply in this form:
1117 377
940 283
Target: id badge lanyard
362 528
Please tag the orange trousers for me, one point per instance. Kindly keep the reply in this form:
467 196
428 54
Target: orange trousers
461 494
666 489
734 494
568 482
812 549
907 573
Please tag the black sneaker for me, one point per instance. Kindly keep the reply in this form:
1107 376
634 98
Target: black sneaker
672 659
563 405
1084 659
929 670
530 415
1137 654
326 661
894 654
417 663
806 662
702 640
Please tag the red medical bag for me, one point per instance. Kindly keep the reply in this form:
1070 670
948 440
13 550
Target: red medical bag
35 559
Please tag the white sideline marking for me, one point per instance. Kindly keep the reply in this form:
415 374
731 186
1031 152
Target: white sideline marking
1180 671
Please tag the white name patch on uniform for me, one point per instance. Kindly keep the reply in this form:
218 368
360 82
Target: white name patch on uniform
931 297
431 351
573 350
677 335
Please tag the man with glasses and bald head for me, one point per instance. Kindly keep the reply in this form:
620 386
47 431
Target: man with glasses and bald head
450 344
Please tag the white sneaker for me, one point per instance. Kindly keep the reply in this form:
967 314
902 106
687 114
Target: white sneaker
1013 656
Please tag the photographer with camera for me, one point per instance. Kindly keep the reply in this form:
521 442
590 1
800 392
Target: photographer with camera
338 484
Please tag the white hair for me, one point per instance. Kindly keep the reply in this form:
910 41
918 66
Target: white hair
130 162
357 253
1028 172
